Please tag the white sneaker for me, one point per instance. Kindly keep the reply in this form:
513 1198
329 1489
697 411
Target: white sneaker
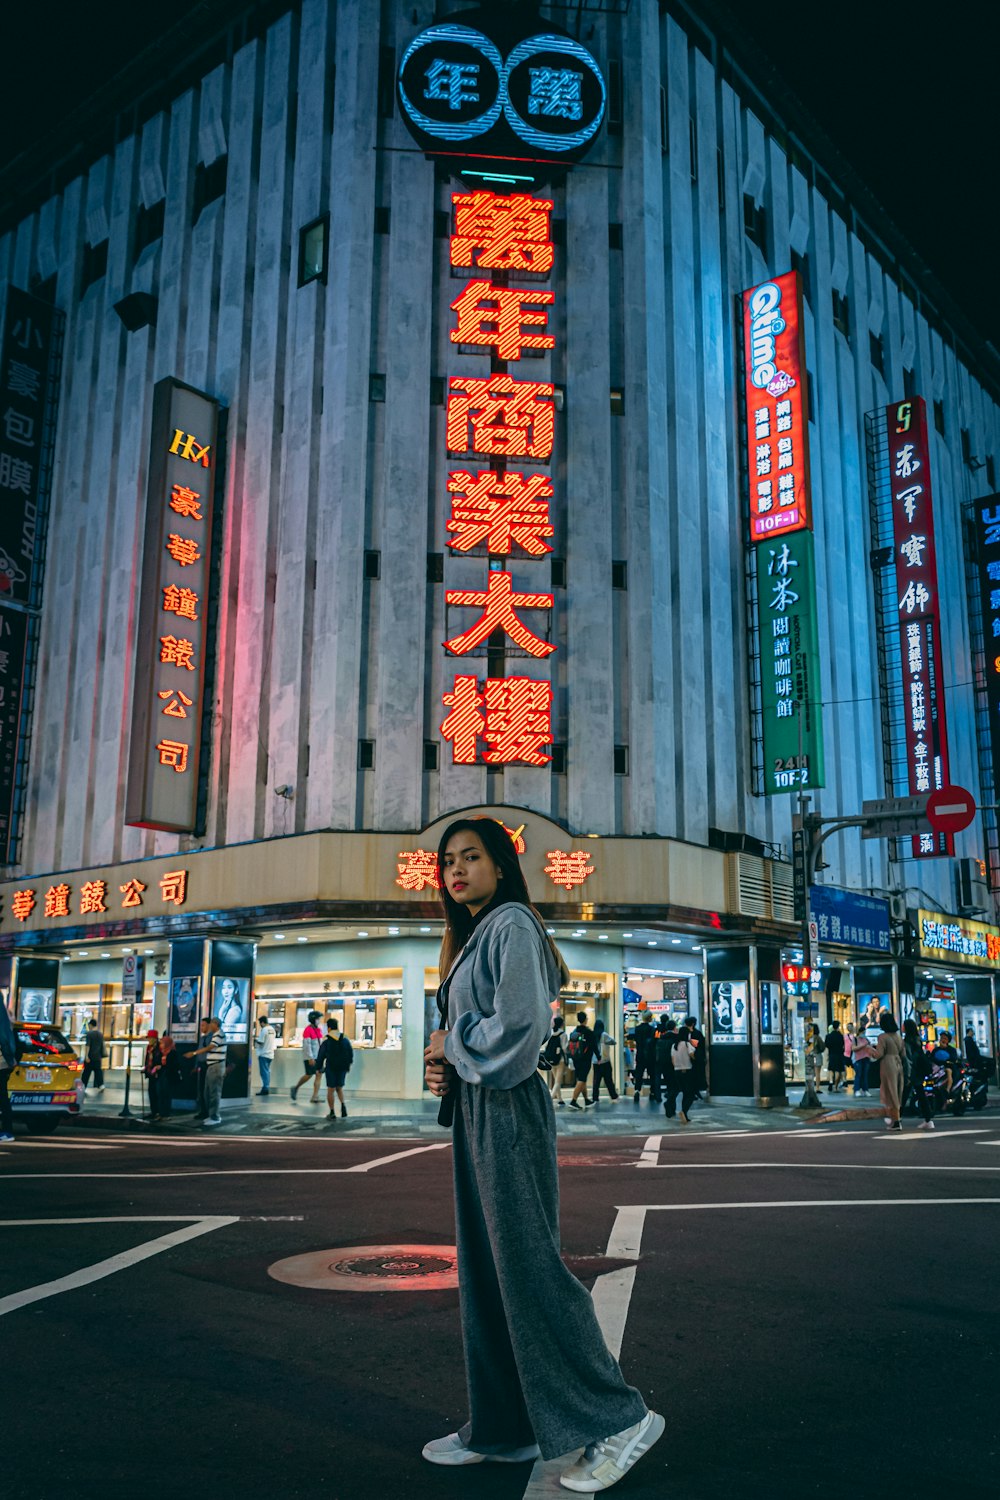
924 1125
6 1138
451 1450
602 1464
213 1120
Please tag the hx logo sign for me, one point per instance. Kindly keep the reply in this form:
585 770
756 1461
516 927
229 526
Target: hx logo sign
485 90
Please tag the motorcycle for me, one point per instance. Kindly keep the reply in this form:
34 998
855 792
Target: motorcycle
980 1078
968 1090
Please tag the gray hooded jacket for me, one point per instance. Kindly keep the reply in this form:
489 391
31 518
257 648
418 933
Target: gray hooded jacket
499 994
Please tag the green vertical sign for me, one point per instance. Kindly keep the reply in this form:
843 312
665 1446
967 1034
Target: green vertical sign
789 663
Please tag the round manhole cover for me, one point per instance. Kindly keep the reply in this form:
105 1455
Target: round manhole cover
372 1268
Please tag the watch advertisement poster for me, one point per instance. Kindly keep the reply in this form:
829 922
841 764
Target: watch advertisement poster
730 1024
770 1012
184 1007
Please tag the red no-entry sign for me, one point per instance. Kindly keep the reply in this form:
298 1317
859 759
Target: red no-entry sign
950 809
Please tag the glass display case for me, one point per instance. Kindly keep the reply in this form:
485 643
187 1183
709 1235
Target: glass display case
367 1004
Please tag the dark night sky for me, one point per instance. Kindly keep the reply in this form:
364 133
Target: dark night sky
906 105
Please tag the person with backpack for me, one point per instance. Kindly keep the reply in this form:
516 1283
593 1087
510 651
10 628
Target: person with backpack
580 1052
645 1060
542 1381
666 1036
335 1058
604 1045
554 1053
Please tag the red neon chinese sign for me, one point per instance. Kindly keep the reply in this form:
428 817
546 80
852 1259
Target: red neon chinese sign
918 610
777 435
500 510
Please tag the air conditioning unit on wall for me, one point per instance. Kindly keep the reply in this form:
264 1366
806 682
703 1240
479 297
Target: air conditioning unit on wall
973 888
897 908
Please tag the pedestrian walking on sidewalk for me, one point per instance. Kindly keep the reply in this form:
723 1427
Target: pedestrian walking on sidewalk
815 1046
334 1060
197 1058
214 1053
555 1056
862 1056
645 1059
8 1062
169 1077
580 1051
696 1038
151 1064
604 1062
265 1045
848 1050
666 1037
540 1376
681 1078
888 1052
915 1067
312 1039
835 1057
94 1054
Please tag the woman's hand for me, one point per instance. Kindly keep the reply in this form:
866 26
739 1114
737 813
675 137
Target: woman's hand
434 1051
436 1076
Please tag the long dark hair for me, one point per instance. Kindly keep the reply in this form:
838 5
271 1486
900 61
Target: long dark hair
887 1021
458 920
911 1030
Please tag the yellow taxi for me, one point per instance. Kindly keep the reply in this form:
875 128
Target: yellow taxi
46 1085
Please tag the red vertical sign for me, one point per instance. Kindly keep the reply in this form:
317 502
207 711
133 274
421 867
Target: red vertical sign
919 610
777 435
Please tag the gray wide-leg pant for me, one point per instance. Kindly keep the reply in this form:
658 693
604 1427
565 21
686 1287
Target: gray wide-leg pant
537 1366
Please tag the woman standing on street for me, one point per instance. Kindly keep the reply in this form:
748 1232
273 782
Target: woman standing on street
888 1051
540 1376
862 1055
151 1064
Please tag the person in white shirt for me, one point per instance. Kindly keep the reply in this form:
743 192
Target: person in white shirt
681 1080
265 1044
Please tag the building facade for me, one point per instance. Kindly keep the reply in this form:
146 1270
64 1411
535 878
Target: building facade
275 239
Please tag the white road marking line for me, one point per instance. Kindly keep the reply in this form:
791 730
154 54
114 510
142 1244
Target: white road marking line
806 1166
929 1135
381 1161
650 1152
147 1219
820 1203
63 1146
102 1268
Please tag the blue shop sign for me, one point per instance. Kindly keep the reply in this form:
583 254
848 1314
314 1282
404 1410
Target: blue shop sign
849 918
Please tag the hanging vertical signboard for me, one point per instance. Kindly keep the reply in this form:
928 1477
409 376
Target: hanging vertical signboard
777 434
32 330
919 613
986 521
13 648
173 611
789 664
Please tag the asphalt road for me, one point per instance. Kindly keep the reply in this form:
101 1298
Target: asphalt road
815 1312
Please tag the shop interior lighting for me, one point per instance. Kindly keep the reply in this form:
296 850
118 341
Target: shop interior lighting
427 929
105 955
147 950
549 930
651 943
362 934
626 934
602 937
675 940
82 952
393 931
126 950
301 940
279 937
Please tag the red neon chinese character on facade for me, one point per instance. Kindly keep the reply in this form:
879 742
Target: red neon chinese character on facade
92 894
177 652
498 415
497 316
502 234
57 901
183 602
518 720
417 869
183 550
179 703
500 510
186 502
174 754
132 892
567 869
22 904
173 887
499 604
465 723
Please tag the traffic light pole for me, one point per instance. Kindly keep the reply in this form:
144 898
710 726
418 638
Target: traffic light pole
807 840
